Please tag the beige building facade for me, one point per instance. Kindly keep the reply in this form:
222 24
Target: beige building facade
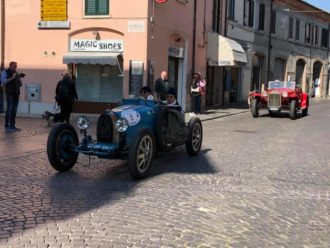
112 47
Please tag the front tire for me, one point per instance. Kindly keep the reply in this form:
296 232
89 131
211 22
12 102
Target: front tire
293 110
141 154
254 108
60 147
195 136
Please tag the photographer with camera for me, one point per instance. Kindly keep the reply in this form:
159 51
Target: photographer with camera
12 82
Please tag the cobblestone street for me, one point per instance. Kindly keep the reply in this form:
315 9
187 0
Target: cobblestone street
258 182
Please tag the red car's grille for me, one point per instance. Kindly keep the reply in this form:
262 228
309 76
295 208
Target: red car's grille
274 100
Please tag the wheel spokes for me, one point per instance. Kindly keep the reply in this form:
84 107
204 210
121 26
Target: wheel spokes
144 154
196 137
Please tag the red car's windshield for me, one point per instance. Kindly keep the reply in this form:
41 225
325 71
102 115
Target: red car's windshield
281 84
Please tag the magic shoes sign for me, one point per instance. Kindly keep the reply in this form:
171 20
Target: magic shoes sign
86 45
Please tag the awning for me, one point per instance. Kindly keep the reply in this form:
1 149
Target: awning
222 51
91 58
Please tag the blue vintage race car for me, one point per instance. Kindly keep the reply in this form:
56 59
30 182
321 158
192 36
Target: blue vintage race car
134 130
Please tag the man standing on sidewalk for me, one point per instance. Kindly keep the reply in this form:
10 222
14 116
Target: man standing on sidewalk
161 86
12 82
1 92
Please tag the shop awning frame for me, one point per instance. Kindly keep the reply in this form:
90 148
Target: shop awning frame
91 58
223 51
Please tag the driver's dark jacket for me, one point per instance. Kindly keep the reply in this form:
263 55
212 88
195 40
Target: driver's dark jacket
13 86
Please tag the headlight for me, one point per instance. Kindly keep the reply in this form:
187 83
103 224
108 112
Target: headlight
83 122
121 125
285 94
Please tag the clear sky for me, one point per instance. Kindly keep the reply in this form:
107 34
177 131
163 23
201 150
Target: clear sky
321 4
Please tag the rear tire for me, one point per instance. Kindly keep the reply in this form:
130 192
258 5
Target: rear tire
60 147
195 136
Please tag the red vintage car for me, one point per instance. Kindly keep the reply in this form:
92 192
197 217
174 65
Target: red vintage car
280 96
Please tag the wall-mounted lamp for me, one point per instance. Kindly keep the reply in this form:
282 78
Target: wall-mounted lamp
97 35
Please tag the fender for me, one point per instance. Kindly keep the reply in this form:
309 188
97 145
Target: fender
304 101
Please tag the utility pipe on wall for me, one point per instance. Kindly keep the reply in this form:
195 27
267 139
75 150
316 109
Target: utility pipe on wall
269 39
2 63
194 36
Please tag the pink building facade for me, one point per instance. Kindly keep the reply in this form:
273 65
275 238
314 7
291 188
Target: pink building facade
112 47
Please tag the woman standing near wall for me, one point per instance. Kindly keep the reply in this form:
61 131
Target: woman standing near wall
197 90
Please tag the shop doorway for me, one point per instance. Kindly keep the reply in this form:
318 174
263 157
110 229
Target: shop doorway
214 87
317 67
175 77
255 86
300 69
232 85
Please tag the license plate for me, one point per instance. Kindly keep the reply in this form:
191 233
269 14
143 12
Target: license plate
273 109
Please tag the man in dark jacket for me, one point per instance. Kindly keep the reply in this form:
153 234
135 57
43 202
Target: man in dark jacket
161 86
12 82
66 94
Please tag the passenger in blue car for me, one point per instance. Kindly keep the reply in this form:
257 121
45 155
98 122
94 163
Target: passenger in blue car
146 93
170 97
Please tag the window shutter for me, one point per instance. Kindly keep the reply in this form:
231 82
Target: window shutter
96 7
103 7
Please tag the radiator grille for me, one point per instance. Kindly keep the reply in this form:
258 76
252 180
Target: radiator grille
274 100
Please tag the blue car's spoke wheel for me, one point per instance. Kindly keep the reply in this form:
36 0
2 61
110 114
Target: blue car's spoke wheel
61 143
141 153
195 136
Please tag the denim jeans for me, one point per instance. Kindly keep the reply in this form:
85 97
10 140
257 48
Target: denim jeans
1 101
12 104
197 104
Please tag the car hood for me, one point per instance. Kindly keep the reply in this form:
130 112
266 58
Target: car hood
137 108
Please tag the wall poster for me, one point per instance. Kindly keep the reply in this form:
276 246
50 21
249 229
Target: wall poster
135 77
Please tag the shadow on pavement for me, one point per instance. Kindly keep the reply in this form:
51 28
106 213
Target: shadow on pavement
40 195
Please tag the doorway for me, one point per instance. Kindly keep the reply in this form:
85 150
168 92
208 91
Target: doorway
175 77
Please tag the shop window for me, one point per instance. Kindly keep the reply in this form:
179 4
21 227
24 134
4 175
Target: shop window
297 30
251 13
96 7
261 17
99 83
216 23
325 38
290 36
273 22
316 40
231 10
